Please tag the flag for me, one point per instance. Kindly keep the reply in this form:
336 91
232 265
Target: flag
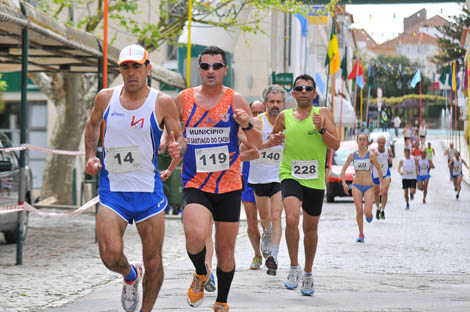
449 81
356 70
344 65
454 77
371 76
303 23
357 73
332 57
320 83
360 81
443 77
416 79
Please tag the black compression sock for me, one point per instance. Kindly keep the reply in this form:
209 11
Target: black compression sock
199 262
224 281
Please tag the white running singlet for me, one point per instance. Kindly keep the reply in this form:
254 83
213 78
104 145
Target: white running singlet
382 158
265 169
131 141
409 168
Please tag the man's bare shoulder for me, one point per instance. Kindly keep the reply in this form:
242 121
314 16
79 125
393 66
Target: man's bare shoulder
164 98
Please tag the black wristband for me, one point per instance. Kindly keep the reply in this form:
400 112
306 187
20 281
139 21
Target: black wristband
250 126
322 130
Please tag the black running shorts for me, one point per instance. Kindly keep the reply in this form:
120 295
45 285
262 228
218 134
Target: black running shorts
312 199
266 189
224 207
408 183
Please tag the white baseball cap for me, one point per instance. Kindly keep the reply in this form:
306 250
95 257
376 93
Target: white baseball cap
133 53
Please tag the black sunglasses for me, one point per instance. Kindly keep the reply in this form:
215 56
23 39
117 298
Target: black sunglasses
215 66
301 88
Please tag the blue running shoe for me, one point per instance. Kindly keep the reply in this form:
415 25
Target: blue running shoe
361 238
293 278
369 220
210 285
307 285
407 206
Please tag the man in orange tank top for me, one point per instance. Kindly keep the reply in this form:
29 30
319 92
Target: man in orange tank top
212 116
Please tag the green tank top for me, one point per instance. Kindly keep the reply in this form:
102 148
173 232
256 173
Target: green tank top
304 153
429 152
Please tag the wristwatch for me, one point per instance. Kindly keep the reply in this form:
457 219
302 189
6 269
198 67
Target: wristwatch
322 130
250 126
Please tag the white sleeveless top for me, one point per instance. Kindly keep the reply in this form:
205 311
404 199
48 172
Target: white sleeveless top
456 167
422 131
423 166
382 158
265 169
408 133
409 168
131 142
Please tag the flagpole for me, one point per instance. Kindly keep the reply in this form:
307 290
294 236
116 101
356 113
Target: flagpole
455 119
367 107
451 110
188 48
420 105
361 108
468 105
333 95
326 90
355 95
341 111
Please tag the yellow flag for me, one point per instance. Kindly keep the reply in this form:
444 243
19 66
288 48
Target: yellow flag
333 54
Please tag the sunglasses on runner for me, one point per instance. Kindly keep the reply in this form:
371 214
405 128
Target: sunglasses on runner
301 88
215 66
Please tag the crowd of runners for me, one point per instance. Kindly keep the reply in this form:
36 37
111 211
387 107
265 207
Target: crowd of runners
267 157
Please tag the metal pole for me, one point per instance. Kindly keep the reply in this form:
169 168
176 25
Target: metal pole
188 56
23 125
367 108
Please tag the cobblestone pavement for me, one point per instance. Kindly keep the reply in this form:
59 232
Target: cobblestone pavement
415 260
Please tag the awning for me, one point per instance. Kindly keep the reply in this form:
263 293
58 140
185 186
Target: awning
55 47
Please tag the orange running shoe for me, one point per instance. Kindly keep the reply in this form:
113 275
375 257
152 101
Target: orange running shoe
195 295
221 307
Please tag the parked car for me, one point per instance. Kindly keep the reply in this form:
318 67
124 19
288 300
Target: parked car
335 161
389 141
9 187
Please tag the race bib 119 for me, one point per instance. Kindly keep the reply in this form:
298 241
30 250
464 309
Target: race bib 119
212 159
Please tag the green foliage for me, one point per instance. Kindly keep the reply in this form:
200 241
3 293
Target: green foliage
172 15
393 75
449 43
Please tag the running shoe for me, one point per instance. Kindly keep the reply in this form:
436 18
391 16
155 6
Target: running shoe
424 201
220 307
256 263
293 278
210 285
265 245
457 196
130 298
271 264
378 214
195 295
361 238
382 214
412 196
407 206
307 285
369 219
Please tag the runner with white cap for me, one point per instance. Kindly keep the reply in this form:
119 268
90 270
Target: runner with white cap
130 187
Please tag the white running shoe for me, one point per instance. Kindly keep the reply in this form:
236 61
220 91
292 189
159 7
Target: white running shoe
265 245
130 298
307 285
293 278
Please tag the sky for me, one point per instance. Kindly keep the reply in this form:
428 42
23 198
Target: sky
385 21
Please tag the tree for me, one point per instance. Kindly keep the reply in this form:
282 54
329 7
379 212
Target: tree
393 75
72 94
449 42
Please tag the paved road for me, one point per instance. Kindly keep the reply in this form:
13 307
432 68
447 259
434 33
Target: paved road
415 260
